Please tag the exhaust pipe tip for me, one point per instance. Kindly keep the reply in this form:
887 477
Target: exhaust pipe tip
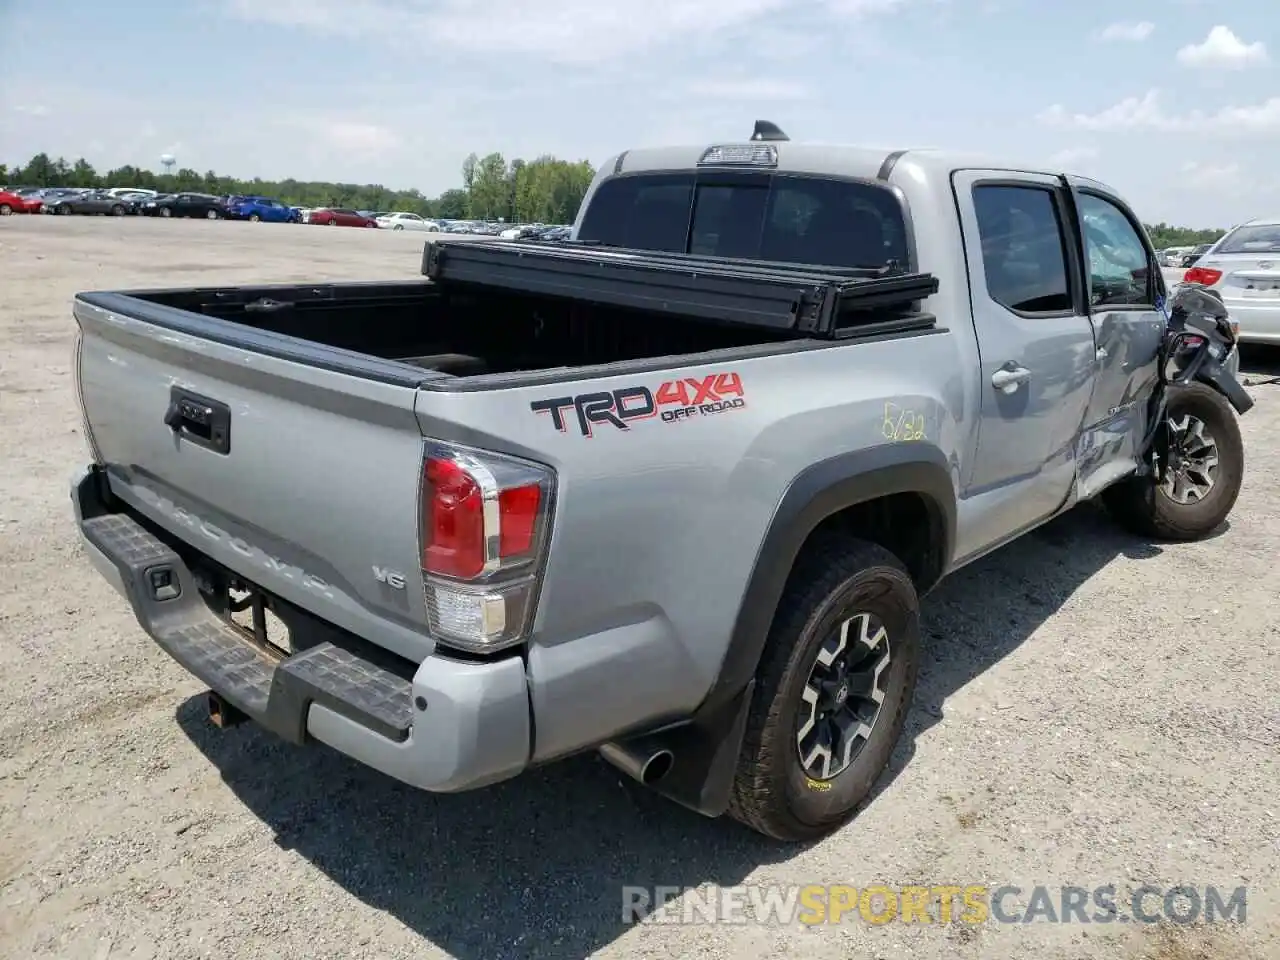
644 763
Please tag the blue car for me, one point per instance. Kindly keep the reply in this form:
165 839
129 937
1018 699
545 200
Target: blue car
262 209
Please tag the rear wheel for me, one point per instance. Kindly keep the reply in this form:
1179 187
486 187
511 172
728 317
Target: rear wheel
212 215
64 210
254 218
832 691
117 211
166 212
1203 471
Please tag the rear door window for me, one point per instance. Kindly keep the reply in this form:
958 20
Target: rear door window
1024 249
793 219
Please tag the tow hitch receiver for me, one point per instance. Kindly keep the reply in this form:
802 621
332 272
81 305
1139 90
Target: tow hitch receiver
223 714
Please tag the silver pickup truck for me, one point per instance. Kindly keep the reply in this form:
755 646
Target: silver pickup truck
669 490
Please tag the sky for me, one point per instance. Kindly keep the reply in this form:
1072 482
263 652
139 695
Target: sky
1175 103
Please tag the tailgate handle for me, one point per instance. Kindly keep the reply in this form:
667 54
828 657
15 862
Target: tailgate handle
199 420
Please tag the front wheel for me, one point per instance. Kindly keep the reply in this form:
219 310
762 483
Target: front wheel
1203 470
254 218
212 215
832 692
5 210
166 212
117 211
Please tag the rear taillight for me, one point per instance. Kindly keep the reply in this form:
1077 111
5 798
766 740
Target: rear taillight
1206 275
77 364
485 520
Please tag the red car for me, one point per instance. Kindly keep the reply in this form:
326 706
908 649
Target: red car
12 203
340 217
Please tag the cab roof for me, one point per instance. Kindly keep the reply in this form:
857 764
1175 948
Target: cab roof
846 160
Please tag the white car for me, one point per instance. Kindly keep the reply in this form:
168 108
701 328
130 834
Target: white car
407 221
130 192
1243 267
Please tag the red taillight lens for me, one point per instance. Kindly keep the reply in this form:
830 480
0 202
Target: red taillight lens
1206 275
457 527
452 521
518 519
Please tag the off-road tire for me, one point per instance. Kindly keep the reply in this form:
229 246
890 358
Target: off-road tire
1139 505
833 580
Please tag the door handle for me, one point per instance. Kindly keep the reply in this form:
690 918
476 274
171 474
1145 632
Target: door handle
1008 379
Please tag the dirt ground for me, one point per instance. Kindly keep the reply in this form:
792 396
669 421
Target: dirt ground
1093 710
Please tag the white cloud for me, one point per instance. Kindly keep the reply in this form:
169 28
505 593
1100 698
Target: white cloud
1074 158
1212 173
1133 32
749 89
1148 113
580 32
354 138
32 110
1223 49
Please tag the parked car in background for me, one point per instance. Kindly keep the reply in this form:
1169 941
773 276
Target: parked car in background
341 217
1172 256
256 209
49 197
14 202
132 192
553 233
523 231
1196 253
407 221
186 205
91 203
1244 269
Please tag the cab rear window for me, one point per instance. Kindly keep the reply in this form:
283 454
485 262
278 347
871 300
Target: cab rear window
778 217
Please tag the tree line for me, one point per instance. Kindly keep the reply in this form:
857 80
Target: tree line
1162 236
543 190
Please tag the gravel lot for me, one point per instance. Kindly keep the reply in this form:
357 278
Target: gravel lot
1093 710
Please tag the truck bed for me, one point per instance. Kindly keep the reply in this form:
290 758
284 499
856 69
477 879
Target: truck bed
499 311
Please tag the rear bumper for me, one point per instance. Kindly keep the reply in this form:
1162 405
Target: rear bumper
444 726
1258 324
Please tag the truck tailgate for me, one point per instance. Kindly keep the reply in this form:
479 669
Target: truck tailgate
313 496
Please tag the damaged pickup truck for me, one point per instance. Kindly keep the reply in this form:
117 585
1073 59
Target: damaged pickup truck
670 490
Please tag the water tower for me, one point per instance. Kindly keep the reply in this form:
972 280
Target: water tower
167 160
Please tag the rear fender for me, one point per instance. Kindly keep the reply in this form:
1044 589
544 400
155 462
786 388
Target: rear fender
706 749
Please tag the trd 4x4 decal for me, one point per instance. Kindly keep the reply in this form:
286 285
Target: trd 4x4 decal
671 402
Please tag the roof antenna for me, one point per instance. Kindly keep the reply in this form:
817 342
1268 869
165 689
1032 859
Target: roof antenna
766 130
